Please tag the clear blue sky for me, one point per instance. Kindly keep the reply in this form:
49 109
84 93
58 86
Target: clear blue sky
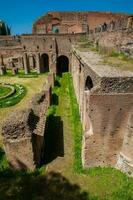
20 14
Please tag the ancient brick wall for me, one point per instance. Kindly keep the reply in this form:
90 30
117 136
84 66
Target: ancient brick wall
80 71
106 113
29 53
10 48
108 116
114 36
125 162
23 132
69 22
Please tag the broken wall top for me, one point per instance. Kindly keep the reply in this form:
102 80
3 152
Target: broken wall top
111 79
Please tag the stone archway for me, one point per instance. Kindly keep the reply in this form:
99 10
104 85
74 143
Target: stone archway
88 83
62 64
86 121
44 63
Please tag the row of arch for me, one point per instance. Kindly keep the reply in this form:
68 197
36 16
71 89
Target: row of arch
61 66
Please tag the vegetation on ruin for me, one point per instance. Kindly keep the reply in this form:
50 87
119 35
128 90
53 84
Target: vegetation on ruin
13 97
119 60
64 177
21 74
84 43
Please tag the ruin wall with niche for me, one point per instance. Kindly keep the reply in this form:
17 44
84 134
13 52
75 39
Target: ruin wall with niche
106 113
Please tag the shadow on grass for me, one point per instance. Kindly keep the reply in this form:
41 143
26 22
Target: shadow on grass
36 185
55 99
2 154
52 186
53 136
57 83
54 140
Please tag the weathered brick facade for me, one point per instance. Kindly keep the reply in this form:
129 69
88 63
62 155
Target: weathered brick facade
106 107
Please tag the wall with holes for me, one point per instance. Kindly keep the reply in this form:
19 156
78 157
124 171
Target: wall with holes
108 116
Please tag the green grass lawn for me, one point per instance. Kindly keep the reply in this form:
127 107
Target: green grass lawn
15 97
64 177
4 91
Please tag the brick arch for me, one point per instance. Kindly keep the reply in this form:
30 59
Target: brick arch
62 64
88 83
87 125
44 62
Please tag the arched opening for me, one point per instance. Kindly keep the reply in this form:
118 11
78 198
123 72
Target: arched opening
88 83
62 64
44 63
55 29
86 120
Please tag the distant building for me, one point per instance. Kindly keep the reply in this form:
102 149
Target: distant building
4 29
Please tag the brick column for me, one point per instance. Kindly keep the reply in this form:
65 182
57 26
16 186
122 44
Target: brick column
26 63
38 63
53 56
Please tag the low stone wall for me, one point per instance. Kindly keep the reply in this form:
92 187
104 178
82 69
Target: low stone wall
23 132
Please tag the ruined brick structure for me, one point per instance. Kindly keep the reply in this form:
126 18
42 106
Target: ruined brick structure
23 131
114 36
104 95
71 22
105 98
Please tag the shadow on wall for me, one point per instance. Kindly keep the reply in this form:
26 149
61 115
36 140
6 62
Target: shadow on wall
53 139
24 186
55 99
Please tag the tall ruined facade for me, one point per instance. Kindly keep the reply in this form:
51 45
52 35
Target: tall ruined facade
72 22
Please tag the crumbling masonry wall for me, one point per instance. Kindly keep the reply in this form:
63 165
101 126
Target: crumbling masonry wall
106 112
72 22
114 36
23 132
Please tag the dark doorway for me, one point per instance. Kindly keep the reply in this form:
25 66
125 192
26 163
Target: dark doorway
62 64
88 83
44 63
